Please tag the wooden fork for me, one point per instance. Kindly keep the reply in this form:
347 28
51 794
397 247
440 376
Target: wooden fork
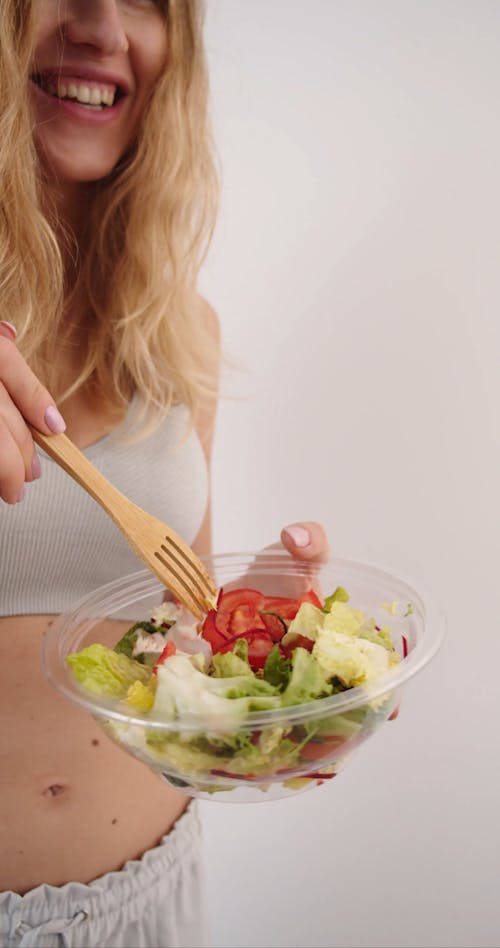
161 548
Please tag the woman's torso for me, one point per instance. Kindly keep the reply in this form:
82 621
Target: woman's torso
73 805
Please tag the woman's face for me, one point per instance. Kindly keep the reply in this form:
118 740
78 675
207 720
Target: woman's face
95 65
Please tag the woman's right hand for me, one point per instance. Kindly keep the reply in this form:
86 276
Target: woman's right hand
22 399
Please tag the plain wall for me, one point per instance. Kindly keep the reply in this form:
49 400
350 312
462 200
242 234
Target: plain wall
356 272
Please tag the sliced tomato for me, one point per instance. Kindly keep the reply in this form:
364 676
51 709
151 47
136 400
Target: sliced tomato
260 644
312 597
315 750
299 641
244 610
238 610
243 618
274 624
211 633
169 650
284 606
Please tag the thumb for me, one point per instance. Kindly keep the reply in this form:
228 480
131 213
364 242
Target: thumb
306 540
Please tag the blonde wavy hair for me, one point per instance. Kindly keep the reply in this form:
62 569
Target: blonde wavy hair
151 222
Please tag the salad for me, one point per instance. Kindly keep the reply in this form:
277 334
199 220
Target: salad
250 655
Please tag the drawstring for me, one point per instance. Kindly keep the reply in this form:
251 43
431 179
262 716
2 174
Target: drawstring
56 926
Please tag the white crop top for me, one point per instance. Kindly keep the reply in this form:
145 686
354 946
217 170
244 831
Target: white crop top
58 545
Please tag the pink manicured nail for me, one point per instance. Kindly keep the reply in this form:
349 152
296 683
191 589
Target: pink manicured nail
10 328
36 467
54 420
20 495
298 535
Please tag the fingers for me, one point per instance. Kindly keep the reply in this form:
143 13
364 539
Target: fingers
306 541
28 394
18 460
22 398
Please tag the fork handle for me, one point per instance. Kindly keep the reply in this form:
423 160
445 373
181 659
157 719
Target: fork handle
68 456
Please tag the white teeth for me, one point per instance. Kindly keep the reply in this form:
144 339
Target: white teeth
86 95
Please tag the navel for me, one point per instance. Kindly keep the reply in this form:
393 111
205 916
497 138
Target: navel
54 790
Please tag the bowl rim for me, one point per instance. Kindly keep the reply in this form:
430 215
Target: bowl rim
129 589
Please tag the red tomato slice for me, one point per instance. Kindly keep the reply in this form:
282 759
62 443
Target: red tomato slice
211 633
260 644
285 607
237 609
169 650
312 597
316 750
242 619
299 641
274 624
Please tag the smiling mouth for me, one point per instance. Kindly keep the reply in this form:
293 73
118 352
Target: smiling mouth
93 95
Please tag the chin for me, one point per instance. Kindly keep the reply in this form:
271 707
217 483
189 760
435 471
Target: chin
78 171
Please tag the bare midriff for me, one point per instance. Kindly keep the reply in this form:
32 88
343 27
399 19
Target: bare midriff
73 805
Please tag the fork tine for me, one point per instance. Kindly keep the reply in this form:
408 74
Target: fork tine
189 573
201 578
181 585
191 582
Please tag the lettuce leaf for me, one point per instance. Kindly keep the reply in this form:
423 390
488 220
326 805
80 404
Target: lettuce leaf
228 665
338 595
307 680
106 672
277 669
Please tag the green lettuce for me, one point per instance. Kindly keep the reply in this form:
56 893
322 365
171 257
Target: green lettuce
106 672
338 595
183 689
229 665
234 753
277 669
307 681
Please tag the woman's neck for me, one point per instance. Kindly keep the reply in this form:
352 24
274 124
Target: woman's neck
70 202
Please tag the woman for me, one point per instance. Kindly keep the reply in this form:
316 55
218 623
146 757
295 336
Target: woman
107 193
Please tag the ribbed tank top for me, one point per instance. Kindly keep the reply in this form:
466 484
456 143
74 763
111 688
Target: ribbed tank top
58 545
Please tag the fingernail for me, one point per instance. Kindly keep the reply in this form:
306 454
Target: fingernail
20 495
10 328
54 420
36 467
298 535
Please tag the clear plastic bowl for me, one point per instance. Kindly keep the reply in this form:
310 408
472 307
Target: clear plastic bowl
300 747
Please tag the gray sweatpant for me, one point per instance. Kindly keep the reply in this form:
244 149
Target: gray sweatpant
153 902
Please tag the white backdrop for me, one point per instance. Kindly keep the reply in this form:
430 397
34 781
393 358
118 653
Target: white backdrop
356 271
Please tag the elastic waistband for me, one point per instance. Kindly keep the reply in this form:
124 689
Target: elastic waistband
114 892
